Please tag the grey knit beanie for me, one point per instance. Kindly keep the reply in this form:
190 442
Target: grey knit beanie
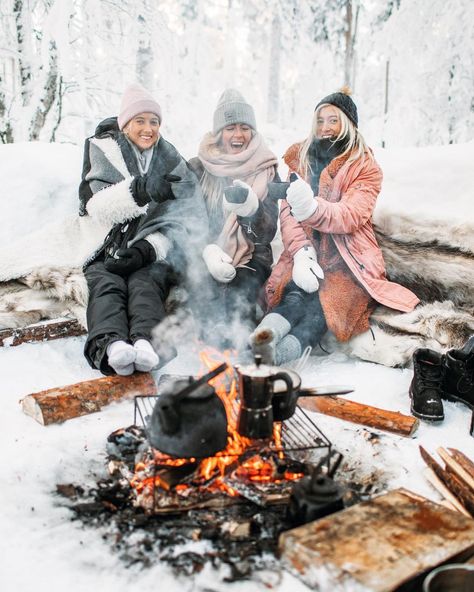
232 108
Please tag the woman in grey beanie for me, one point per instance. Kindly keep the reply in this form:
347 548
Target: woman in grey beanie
234 167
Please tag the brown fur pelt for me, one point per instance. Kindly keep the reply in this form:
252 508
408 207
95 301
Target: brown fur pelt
432 271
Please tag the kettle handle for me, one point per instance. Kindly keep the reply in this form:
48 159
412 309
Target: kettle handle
286 379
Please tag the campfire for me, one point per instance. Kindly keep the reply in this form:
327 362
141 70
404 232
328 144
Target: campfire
260 470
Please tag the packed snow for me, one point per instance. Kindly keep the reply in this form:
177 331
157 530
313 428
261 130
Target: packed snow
41 548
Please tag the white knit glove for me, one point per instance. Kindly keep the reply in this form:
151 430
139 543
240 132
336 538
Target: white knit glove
246 208
300 197
218 263
306 270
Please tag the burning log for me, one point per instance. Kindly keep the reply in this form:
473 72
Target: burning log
45 331
455 485
374 417
59 404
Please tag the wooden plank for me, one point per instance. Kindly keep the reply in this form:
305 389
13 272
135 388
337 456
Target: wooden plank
46 331
374 417
59 404
376 545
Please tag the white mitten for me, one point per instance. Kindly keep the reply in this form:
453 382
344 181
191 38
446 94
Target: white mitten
300 197
306 270
246 208
219 264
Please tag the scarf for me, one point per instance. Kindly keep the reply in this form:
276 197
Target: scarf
255 166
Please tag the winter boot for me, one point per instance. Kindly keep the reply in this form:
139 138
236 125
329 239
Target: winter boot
121 356
288 349
426 385
459 374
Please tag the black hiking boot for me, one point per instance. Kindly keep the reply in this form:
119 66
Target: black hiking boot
459 374
425 388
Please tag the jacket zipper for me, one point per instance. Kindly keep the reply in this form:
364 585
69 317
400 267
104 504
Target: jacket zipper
361 265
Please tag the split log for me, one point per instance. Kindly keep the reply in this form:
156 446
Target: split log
454 467
59 404
453 483
444 491
463 460
376 545
41 332
374 417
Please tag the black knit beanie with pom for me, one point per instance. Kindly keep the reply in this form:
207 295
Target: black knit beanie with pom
343 101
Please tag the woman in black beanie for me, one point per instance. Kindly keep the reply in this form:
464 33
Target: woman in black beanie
331 273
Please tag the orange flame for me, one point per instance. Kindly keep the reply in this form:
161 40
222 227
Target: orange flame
254 469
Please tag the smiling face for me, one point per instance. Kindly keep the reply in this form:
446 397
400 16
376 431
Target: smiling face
236 138
143 130
328 123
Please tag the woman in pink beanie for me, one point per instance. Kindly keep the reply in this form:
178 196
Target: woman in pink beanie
137 183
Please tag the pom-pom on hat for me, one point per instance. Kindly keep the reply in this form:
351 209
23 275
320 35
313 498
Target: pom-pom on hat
135 100
343 101
232 108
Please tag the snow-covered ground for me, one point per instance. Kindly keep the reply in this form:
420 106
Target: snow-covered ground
40 548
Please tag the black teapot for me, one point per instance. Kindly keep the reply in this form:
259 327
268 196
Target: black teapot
189 419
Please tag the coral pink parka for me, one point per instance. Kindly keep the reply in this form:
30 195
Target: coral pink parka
345 206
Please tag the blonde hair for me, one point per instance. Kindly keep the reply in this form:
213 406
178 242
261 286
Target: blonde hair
356 146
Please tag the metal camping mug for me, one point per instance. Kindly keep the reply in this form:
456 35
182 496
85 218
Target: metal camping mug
454 577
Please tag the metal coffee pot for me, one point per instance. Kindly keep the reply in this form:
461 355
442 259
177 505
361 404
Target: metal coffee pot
256 388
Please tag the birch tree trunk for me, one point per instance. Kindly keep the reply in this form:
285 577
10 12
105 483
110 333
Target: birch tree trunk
48 95
21 11
144 64
274 70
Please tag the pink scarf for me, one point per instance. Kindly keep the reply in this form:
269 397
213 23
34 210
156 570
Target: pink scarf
255 166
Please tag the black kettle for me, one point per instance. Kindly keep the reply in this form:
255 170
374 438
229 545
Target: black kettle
189 419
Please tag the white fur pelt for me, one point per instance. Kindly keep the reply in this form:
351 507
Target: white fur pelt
394 336
45 293
41 273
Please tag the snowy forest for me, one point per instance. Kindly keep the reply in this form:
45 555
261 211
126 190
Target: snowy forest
65 63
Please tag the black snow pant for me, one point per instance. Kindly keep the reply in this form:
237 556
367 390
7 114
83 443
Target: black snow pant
304 313
223 304
123 308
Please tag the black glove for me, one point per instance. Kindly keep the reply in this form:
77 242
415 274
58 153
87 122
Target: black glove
126 261
152 187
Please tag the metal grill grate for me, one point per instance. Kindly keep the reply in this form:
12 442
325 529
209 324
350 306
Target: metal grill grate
299 433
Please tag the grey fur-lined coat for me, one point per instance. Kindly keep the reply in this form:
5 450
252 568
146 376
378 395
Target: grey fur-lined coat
172 226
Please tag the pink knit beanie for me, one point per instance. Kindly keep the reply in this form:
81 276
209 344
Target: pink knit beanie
135 100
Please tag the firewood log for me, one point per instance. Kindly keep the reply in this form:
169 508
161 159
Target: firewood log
373 417
463 460
44 331
454 484
444 491
59 404
453 466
